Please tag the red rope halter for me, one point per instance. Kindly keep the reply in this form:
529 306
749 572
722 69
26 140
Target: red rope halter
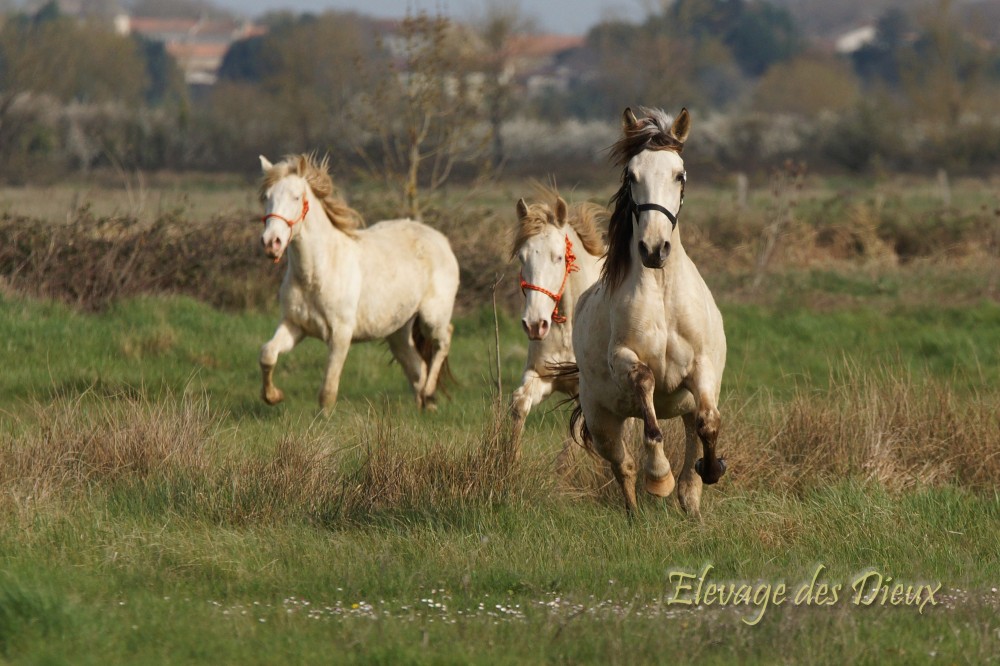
290 223
571 267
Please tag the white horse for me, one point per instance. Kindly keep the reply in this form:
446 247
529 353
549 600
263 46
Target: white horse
648 336
395 280
560 250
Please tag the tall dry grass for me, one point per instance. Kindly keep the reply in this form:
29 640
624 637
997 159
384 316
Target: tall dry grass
877 426
881 425
172 455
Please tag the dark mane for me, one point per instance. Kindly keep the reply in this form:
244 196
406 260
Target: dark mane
651 132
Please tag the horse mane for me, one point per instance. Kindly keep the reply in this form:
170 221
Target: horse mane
651 132
583 217
316 173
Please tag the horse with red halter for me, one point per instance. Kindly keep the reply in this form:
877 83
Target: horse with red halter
395 280
560 249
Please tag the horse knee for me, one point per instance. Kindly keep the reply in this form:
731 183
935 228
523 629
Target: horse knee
642 379
708 424
268 357
643 383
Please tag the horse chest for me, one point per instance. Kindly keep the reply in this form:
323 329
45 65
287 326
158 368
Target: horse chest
659 346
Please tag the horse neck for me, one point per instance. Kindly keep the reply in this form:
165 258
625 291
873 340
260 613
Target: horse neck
580 280
318 244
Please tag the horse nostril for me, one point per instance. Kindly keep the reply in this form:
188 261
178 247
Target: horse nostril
543 326
665 250
643 249
524 324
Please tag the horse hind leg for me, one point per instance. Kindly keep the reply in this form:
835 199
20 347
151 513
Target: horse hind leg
689 482
433 348
404 350
604 433
659 478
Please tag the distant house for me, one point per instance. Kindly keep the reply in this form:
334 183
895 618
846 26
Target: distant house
544 63
198 45
856 39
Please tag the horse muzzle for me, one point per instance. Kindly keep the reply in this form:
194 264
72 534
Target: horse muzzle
654 257
273 248
536 330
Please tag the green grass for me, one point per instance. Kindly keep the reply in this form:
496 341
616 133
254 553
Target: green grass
558 581
172 565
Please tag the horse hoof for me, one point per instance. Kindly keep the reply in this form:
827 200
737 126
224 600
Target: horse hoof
699 467
272 397
660 487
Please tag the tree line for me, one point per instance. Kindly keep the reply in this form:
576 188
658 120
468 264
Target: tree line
430 97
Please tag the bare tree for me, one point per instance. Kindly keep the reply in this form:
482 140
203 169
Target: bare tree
503 23
422 116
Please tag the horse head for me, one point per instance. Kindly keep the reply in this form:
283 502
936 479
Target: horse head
655 178
649 200
286 204
542 247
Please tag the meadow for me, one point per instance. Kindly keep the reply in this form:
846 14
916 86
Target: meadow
156 511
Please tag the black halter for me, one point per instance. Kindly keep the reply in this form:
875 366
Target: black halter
638 208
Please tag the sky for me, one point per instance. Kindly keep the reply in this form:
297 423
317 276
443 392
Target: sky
570 17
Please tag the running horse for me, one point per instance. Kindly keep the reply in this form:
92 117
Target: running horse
648 335
395 280
561 251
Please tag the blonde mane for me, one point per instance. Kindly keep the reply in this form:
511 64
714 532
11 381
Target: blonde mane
315 173
584 218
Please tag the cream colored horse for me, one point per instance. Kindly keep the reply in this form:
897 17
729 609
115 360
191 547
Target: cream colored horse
560 250
395 280
648 336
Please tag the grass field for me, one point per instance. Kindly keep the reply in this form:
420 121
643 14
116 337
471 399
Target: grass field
156 511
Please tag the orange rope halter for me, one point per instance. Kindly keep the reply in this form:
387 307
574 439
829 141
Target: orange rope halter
290 223
571 267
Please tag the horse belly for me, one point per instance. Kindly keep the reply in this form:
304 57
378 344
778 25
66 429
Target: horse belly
669 404
386 305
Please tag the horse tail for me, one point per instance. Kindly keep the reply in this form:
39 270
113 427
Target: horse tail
570 372
425 347
579 424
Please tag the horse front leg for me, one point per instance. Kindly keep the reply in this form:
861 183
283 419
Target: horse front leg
708 421
339 344
531 392
639 379
284 340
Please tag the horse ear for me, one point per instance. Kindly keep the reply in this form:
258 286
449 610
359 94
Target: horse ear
628 118
681 126
265 164
561 211
522 209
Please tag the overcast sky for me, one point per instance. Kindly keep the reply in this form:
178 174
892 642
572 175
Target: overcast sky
571 17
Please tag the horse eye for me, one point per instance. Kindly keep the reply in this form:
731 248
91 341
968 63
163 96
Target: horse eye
682 177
